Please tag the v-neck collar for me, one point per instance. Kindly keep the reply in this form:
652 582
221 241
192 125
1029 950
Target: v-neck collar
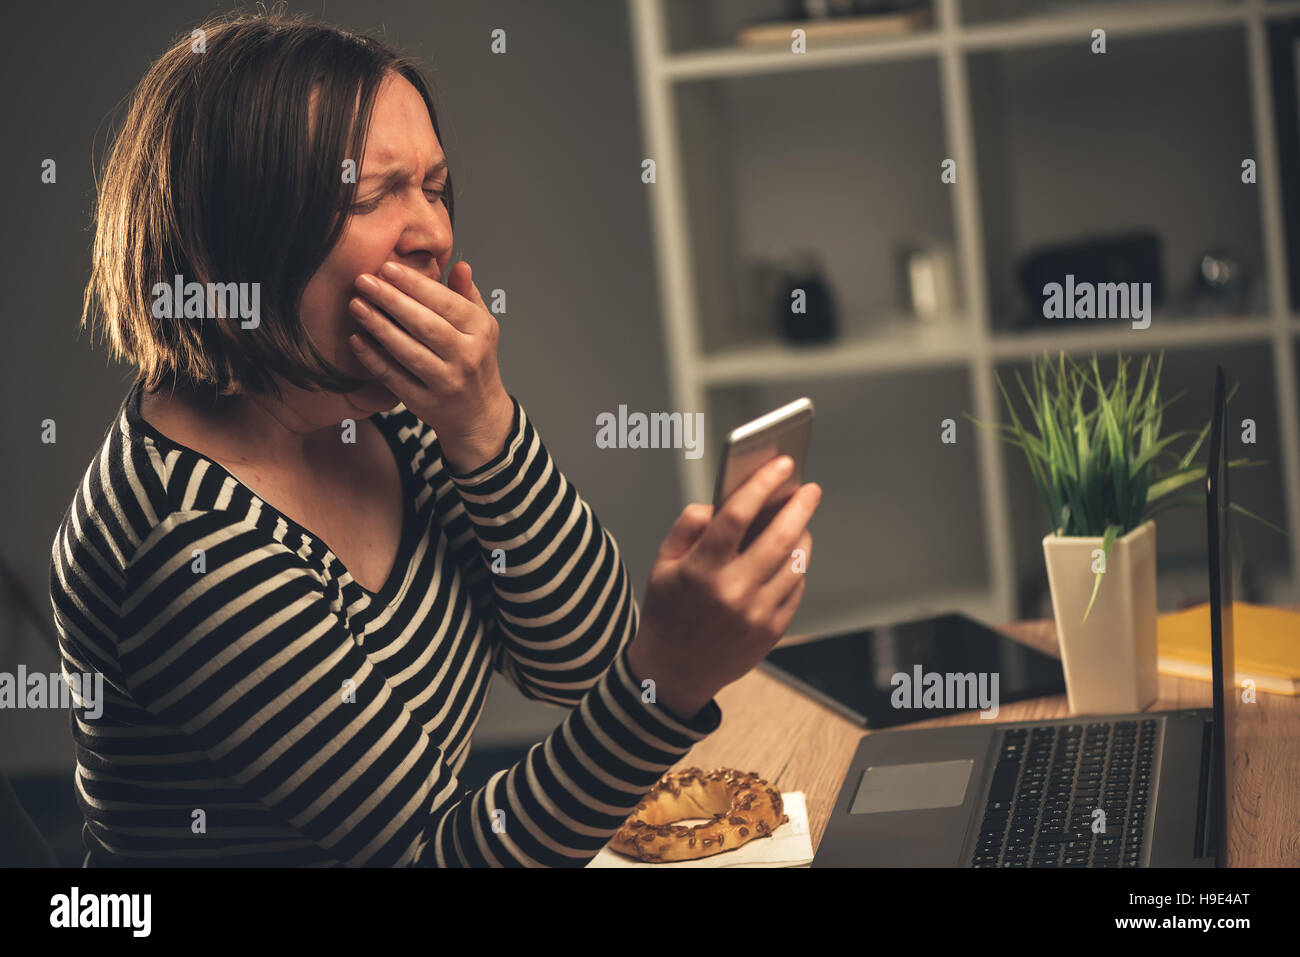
396 576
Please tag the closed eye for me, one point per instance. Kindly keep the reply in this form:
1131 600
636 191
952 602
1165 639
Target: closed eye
438 195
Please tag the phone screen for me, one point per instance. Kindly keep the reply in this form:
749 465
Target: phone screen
785 431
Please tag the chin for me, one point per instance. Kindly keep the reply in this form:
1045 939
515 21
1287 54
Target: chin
372 399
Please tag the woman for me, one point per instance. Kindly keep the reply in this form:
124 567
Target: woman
319 522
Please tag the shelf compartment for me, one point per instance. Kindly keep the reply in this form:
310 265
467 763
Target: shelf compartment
695 27
833 161
836 614
901 517
1055 132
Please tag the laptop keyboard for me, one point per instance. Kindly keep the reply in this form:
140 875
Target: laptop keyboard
1046 786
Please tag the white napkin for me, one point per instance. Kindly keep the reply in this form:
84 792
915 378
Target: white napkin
789 846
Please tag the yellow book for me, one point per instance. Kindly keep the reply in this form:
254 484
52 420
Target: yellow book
1266 645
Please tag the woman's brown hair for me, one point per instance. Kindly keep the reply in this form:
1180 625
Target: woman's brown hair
229 168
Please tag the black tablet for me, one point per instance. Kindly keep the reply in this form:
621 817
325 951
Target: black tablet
914 670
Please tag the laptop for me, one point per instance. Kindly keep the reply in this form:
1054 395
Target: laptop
1149 789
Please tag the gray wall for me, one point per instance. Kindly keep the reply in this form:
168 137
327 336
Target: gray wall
546 147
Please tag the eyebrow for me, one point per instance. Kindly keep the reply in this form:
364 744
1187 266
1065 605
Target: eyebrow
390 173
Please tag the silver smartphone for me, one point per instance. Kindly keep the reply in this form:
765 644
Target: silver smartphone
783 431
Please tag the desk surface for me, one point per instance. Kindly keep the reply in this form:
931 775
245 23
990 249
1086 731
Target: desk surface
801 745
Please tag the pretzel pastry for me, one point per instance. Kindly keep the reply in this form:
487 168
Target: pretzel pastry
740 806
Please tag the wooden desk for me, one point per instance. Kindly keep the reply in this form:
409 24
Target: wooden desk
800 745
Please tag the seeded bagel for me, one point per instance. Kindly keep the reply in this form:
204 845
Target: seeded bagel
740 806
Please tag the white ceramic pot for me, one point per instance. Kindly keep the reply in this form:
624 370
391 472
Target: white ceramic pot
1110 659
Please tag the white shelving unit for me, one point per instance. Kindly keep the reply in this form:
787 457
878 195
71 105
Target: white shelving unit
690 228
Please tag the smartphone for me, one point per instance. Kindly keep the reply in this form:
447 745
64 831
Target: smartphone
783 431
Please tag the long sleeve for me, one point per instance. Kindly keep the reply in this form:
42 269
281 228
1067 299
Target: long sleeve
543 570
249 658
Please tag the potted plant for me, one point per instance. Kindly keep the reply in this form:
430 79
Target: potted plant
1097 474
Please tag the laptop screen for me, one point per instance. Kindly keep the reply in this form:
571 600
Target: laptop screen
1226 701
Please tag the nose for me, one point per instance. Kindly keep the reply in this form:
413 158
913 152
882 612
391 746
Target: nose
426 234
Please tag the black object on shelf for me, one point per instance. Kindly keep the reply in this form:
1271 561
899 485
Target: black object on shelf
805 306
1128 258
823 9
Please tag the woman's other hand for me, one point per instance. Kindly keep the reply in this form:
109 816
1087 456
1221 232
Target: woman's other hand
712 612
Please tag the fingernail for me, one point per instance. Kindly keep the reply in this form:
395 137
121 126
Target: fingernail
784 465
391 270
368 283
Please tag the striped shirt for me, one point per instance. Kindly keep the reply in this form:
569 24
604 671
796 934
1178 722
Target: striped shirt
262 707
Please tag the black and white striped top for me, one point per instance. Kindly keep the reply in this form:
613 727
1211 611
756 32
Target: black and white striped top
315 723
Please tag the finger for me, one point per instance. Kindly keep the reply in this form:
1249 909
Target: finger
723 536
447 301
686 530
785 611
396 379
458 279
418 358
771 548
463 283
476 297
424 324
773 593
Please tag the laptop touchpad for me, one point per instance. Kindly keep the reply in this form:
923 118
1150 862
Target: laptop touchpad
912 787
